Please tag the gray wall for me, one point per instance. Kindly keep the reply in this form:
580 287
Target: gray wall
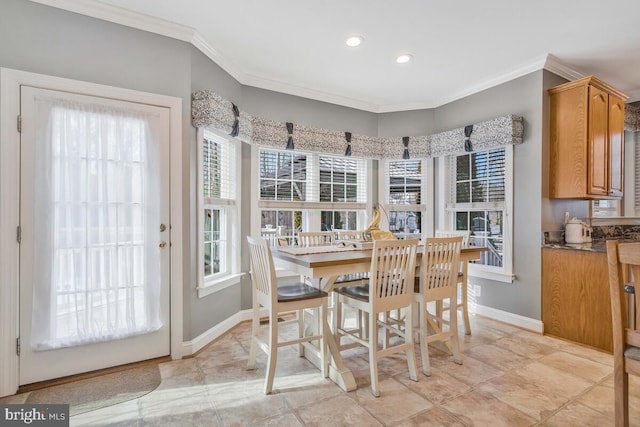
46 40
522 96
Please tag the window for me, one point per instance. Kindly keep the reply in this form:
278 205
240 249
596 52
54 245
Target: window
480 201
218 211
308 191
404 197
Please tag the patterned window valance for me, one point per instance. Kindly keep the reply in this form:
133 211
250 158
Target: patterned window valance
209 109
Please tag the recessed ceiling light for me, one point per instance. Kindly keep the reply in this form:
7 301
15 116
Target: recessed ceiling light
354 41
404 58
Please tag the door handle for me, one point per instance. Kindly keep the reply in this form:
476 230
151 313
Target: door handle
163 227
162 244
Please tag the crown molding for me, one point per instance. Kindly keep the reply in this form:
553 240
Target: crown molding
558 67
633 96
305 92
106 12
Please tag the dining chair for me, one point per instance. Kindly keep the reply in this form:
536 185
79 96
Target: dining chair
624 265
390 287
315 238
463 302
278 299
438 280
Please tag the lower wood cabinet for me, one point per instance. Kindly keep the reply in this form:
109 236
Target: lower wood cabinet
575 297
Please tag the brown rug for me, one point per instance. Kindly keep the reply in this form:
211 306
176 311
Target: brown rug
101 391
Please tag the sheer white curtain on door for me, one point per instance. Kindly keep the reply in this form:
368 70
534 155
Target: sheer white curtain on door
96 259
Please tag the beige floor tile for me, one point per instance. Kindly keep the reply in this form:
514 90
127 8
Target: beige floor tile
601 399
528 345
286 420
396 402
576 414
552 380
471 371
498 357
437 388
579 366
339 411
477 409
524 395
122 414
435 417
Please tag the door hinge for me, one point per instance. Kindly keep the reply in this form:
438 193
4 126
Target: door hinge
19 124
19 234
18 346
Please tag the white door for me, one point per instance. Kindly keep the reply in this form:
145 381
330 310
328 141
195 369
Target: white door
94 218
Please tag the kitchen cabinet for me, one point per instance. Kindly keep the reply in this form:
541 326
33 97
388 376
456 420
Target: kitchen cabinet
586 153
575 297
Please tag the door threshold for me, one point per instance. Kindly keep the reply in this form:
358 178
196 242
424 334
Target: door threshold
71 378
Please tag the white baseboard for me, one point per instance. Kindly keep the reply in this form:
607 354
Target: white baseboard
510 318
199 342
191 347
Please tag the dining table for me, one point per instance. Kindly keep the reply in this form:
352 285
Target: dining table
323 265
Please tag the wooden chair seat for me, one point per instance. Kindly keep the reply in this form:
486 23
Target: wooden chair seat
298 291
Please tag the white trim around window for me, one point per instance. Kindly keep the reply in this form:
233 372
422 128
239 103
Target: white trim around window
226 201
426 208
445 218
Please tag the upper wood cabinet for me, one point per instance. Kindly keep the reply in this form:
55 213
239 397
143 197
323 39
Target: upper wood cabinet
586 153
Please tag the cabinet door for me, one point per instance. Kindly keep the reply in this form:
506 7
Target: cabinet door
575 297
598 143
616 145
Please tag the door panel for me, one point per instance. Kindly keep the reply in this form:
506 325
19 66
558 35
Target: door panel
94 279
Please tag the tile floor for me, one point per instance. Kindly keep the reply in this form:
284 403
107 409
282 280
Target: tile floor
510 377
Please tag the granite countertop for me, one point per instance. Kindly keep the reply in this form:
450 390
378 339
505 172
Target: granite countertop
599 245
595 246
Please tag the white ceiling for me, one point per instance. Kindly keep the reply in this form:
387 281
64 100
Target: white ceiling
459 46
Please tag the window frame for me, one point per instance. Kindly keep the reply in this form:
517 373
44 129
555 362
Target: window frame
426 187
230 217
311 207
447 215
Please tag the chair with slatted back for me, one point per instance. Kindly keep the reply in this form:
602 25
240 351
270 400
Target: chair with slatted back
624 265
278 299
463 302
438 281
390 287
315 238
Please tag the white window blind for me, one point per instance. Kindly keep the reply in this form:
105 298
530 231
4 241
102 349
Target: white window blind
218 158
311 180
480 201
217 200
404 178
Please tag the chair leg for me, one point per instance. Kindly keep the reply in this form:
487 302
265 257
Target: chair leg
273 352
255 331
323 332
408 337
453 330
465 307
621 396
300 316
373 350
424 346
